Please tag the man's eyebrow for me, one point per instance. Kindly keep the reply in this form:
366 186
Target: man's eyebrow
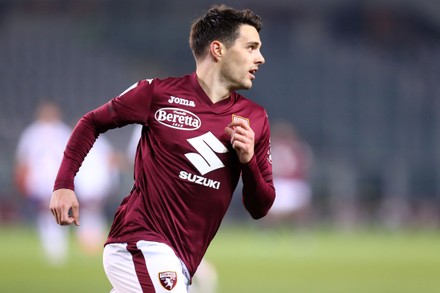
254 43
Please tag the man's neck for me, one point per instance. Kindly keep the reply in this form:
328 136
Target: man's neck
211 83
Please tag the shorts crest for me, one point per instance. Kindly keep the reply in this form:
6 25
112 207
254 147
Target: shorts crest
168 280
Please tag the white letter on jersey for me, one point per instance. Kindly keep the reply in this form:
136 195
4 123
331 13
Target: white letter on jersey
206 160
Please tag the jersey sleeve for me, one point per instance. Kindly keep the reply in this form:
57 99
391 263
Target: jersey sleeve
258 188
132 106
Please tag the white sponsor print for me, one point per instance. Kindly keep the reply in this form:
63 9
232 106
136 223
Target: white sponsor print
205 159
199 180
181 101
178 118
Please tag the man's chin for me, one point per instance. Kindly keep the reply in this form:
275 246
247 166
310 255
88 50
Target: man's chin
247 86
243 86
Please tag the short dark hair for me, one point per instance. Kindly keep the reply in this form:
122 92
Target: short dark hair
220 23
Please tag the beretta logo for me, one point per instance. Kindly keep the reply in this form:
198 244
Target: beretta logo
177 118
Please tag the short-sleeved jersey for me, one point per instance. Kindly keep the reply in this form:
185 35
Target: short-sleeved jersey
185 168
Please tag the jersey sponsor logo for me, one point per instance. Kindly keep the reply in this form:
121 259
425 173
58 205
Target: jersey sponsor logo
205 159
199 180
168 280
181 101
178 119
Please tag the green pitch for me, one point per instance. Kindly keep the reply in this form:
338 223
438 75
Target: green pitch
255 261
327 261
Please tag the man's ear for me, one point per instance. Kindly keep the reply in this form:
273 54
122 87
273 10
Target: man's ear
217 50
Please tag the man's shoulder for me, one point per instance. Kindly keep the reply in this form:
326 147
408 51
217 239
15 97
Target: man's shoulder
168 81
159 84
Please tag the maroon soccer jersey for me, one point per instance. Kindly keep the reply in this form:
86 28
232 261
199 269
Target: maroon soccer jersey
185 168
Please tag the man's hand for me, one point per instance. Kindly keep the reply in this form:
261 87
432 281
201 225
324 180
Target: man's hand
63 202
242 139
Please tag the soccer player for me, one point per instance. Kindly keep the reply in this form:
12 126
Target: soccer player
39 153
198 137
292 160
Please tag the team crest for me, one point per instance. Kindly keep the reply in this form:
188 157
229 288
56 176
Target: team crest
168 280
237 118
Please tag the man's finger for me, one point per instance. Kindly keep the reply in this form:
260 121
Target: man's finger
229 130
75 214
239 122
57 217
65 218
53 209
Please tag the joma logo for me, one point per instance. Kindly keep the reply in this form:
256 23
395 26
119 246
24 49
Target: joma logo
177 118
180 101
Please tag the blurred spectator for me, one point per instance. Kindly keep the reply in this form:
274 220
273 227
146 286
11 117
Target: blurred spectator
94 183
39 153
291 162
133 143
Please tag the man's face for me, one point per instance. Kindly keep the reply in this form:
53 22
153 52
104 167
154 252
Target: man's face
241 60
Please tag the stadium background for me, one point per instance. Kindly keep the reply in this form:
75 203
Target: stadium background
358 79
